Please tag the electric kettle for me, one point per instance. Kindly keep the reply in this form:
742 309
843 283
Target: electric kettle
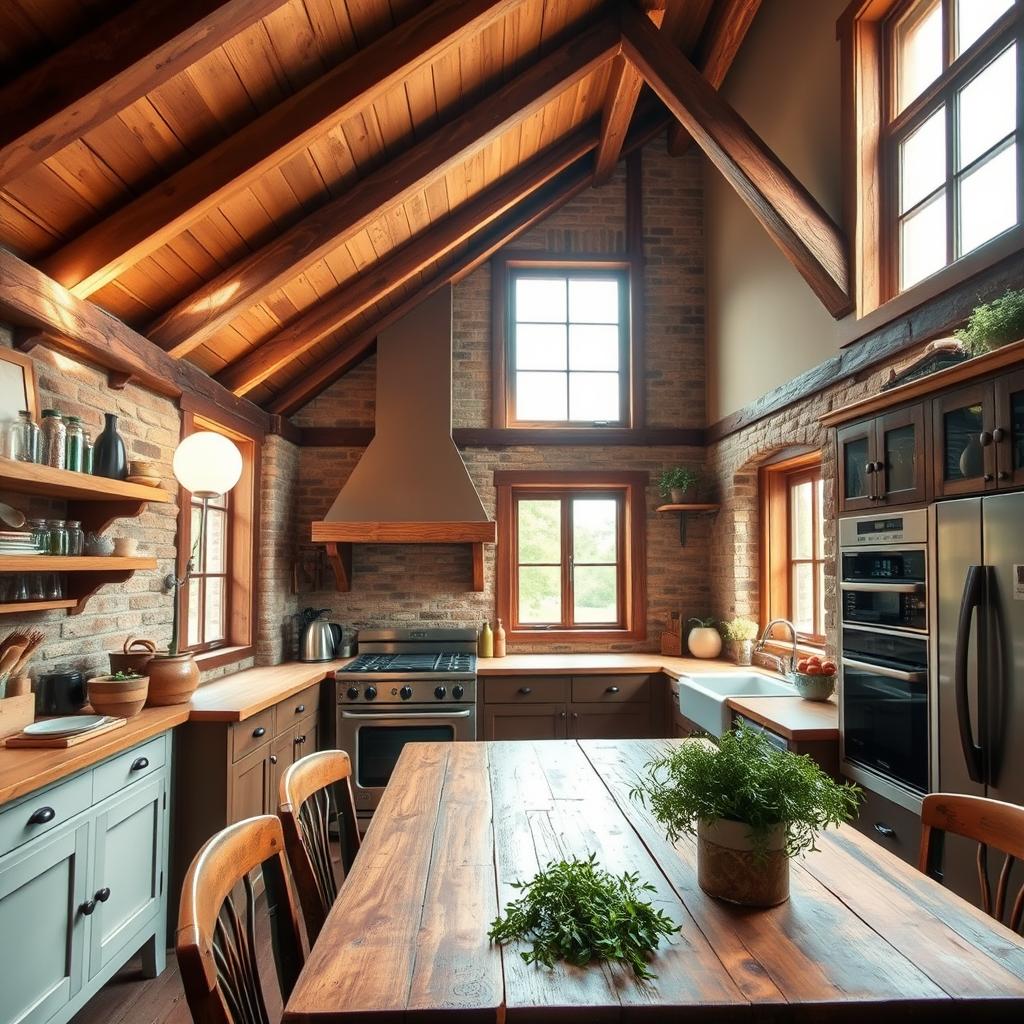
320 639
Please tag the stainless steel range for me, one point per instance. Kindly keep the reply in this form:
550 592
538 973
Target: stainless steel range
406 686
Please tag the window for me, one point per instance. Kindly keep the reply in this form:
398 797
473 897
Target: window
562 337
571 554
793 546
216 610
936 123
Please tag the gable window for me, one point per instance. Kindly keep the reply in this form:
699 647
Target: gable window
571 553
793 546
563 331
217 605
936 127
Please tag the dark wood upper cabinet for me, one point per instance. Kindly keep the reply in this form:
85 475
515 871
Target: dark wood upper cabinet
1008 432
964 460
856 457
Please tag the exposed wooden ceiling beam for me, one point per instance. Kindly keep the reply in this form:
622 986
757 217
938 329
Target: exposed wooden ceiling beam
142 226
721 41
103 72
200 315
797 224
624 87
357 295
28 298
354 345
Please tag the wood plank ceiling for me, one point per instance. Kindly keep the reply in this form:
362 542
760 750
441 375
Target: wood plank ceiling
256 185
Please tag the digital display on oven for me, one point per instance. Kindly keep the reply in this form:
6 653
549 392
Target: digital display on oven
871 527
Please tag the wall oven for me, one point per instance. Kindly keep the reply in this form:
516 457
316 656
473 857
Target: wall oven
883 587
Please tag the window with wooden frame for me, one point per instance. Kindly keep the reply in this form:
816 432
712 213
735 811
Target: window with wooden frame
571 555
217 605
934 128
793 546
563 351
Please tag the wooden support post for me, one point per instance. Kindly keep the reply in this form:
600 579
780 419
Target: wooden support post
478 568
339 557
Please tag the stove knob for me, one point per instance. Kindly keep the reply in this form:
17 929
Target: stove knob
371 692
440 692
352 692
405 693
458 692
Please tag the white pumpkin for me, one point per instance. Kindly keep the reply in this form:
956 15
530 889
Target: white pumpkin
704 642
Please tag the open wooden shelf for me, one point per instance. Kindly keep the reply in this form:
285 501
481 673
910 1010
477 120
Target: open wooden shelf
695 508
85 575
14 607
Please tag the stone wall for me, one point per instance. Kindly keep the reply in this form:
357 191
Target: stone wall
425 585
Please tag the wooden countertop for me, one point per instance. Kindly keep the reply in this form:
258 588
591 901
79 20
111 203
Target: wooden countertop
24 770
236 697
862 935
792 717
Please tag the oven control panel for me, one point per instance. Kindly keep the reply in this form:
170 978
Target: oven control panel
413 691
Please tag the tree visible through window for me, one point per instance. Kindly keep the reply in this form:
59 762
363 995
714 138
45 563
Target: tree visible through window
208 588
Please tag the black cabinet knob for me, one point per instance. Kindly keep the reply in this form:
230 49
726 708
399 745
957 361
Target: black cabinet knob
139 764
273 758
575 714
42 816
299 708
869 467
258 732
561 714
998 434
985 437
103 895
612 689
300 739
524 690
988 478
885 830
87 908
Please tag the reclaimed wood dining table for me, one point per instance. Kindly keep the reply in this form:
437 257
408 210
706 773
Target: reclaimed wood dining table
863 936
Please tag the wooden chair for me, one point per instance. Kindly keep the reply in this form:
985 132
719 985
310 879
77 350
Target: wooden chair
989 823
314 791
216 944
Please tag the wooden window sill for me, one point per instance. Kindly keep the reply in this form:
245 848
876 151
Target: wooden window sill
222 656
571 635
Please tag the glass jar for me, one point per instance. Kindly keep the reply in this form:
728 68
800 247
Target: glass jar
76 537
54 438
86 452
20 587
57 537
36 587
74 445
54 587
21 440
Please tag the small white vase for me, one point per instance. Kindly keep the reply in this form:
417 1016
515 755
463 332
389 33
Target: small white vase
704 642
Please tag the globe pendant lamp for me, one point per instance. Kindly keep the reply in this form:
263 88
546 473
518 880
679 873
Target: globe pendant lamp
205 464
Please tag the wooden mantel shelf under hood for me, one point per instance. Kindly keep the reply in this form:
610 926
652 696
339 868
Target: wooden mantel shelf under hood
338 539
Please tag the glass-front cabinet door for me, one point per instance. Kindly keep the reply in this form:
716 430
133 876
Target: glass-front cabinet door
901 452
1009 429
965 452
857 471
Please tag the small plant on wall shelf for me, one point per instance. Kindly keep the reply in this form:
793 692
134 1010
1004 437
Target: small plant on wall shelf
994 324
678 483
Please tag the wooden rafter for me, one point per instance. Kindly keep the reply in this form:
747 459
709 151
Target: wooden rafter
356 296
356 343
106 70
200 315
794 220
620 102
145 224
719 45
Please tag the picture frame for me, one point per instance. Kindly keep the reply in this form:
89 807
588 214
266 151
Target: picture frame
18 388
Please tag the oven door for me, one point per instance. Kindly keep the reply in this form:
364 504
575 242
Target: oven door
884 587
374 739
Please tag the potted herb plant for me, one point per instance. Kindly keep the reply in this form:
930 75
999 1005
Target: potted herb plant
994 324
704 641
120 693
751 807
676 483
740 634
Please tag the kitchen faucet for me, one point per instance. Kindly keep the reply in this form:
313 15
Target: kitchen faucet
779 661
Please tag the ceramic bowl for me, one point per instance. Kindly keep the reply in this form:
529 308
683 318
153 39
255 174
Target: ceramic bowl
123 698
814 687
96 544
142 467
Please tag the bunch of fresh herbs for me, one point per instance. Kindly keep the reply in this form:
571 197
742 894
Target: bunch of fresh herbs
745 779
576 911
994 324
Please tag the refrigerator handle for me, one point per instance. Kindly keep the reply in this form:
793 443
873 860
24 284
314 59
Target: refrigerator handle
969 603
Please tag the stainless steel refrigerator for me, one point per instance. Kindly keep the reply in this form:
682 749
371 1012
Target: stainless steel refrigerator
978 626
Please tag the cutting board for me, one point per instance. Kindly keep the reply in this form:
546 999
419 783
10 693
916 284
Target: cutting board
64 742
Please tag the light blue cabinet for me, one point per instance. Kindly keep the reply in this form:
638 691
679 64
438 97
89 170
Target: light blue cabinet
84 889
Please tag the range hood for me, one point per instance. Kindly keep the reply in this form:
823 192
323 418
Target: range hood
411 485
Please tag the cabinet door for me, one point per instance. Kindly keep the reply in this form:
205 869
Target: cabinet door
524 722
963 453
1009 429
250 785
856 456
609 723
901 451
42 932
127 875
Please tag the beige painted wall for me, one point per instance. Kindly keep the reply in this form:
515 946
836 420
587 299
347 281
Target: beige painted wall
764 325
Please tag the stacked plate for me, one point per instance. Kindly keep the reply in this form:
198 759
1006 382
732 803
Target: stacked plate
70 725
17 542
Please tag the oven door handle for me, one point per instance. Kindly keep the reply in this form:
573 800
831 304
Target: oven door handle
400 717
884 670
884 588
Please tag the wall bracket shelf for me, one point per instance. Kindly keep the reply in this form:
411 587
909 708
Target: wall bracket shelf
684 511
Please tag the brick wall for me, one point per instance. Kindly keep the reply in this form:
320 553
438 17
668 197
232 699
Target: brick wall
424 585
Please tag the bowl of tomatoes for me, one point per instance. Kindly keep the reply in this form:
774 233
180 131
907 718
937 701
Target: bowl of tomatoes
815 678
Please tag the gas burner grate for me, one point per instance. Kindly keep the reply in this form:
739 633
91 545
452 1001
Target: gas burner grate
446 661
